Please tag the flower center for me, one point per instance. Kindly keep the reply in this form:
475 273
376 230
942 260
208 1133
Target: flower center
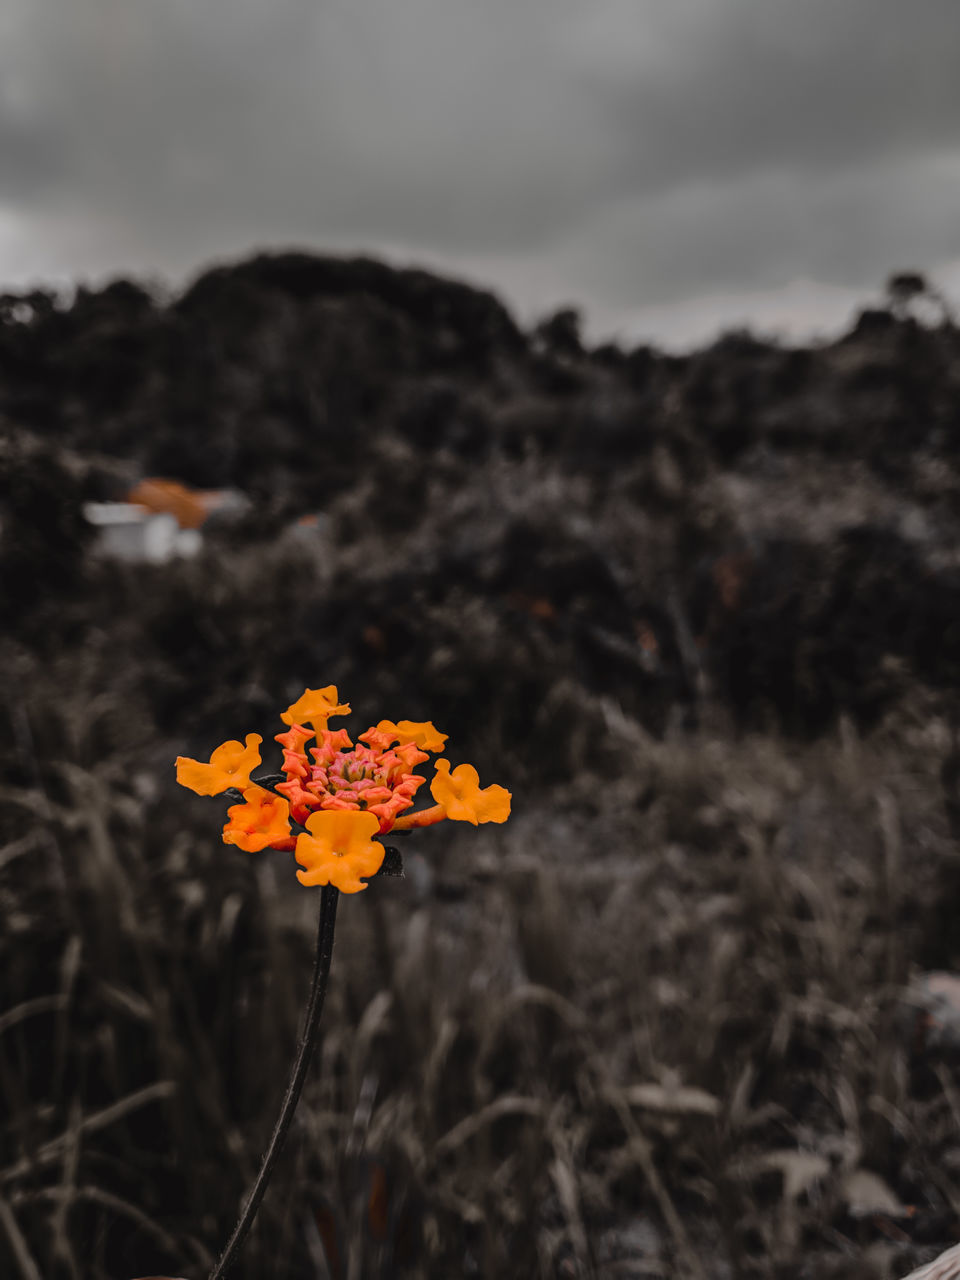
351 769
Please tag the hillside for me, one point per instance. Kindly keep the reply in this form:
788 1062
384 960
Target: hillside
701 614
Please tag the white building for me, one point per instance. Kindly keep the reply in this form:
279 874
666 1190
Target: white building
127 531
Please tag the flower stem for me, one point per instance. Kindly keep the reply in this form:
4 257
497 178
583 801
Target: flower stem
328 919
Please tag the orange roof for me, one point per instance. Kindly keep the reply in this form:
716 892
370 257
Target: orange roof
190 506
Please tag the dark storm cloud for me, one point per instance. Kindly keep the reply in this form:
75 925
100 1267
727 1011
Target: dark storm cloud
427 119
644 149
812 86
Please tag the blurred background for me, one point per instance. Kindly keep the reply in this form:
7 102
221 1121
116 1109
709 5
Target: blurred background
586 382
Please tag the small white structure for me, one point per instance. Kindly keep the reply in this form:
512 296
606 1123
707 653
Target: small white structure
127 531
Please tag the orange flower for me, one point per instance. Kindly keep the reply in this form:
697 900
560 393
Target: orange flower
263 819
302 802
295 762
402 798
339 849
422 733
461 798
230 766
345 796
294 739
329 743
315 706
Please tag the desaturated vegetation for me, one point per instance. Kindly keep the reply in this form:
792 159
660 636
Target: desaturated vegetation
701 614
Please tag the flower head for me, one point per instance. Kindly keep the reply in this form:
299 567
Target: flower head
338 794
230 766
339 850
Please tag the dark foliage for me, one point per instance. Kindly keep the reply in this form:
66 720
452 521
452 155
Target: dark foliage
701 613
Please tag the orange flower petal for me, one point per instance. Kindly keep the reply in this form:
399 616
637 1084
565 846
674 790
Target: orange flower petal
339 849
295 765
408 754
315 706
329 742
230 766
263 819
340 800
463 799
422 733
302 802
294 739
387 810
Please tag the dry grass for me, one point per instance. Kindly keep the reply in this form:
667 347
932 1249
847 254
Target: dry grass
648 1029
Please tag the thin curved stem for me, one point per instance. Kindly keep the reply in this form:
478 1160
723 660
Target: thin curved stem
329 897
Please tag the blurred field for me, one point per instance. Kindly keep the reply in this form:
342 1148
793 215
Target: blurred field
700 614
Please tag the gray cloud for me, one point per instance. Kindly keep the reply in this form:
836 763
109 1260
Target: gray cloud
638 150
761 230
430 119
808 87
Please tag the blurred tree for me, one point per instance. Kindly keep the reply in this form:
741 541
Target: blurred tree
911 296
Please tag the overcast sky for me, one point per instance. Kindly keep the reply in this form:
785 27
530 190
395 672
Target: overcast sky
672 166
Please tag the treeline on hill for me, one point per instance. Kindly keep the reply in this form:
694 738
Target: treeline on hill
774 525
